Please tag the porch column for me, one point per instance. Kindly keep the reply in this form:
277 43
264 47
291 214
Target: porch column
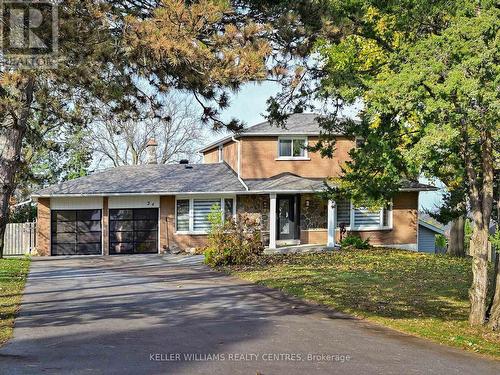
272 221
332 209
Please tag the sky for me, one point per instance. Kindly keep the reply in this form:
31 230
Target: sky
249 105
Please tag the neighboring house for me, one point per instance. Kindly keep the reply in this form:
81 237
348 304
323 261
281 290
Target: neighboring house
428 229
264 171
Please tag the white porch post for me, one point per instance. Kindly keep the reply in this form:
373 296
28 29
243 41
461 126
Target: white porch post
272 221
332 208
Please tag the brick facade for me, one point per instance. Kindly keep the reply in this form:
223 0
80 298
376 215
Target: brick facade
405 223
43 227
168 237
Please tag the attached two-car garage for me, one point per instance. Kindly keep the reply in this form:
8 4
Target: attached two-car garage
76 230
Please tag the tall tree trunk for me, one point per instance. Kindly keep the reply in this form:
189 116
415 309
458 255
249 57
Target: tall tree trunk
457 237
12 131
494 318
479 288
481 201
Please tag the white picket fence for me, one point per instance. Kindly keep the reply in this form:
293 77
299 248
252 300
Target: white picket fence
19 238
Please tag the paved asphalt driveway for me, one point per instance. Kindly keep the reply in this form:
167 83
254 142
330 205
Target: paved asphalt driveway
131 314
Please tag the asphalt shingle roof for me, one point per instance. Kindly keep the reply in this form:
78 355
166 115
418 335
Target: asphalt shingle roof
297 124
301 123
285 182
151 178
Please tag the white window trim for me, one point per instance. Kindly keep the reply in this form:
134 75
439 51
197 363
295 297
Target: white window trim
291 138
191 200
361 228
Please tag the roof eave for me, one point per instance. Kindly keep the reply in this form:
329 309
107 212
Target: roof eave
429 188
257 134
430 226
233 192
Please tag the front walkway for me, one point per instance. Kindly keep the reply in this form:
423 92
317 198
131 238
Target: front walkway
145 315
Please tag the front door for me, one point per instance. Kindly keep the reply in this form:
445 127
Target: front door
287 217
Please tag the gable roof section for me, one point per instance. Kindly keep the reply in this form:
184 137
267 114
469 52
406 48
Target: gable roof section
285 182
151 179
416 186
433 226
297 124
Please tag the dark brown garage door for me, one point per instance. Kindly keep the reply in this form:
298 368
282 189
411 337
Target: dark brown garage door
76 232
133 231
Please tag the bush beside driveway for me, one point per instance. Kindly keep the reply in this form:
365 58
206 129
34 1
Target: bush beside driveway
13 273
424 295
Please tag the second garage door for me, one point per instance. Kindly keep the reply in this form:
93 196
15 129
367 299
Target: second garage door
76 232
133 231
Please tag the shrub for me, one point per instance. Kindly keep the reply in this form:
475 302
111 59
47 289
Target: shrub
355 242
233 241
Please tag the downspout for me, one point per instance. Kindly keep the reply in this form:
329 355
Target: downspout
239 163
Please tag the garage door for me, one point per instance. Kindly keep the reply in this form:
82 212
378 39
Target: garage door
76 232
133 231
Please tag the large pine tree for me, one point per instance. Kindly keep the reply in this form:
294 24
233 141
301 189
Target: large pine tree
118 55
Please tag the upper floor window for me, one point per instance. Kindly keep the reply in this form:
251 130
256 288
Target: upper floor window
292 148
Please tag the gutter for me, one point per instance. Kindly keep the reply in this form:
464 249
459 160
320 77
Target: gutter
239 162
173 193
22 203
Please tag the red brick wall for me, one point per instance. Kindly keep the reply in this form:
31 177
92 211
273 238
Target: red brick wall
405 222
258 159
43 227
168 237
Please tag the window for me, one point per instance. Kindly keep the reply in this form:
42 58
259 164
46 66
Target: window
228 208
192 214
386 216
201 209
344 213
363 218
292 148
182 215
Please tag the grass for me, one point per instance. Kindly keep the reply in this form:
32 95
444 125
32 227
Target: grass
13 272
420 294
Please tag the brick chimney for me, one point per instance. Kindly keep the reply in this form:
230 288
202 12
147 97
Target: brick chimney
151 151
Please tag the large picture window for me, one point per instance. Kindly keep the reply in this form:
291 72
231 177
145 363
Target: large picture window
192 214
292 147
201 210
360 218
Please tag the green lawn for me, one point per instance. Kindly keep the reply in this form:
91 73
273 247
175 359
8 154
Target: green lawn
420 294
13 274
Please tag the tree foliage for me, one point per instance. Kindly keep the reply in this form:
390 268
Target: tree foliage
427 77
120 55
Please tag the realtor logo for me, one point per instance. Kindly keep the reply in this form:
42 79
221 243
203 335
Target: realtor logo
29 33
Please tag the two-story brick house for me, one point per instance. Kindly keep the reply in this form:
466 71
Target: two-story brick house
264 171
